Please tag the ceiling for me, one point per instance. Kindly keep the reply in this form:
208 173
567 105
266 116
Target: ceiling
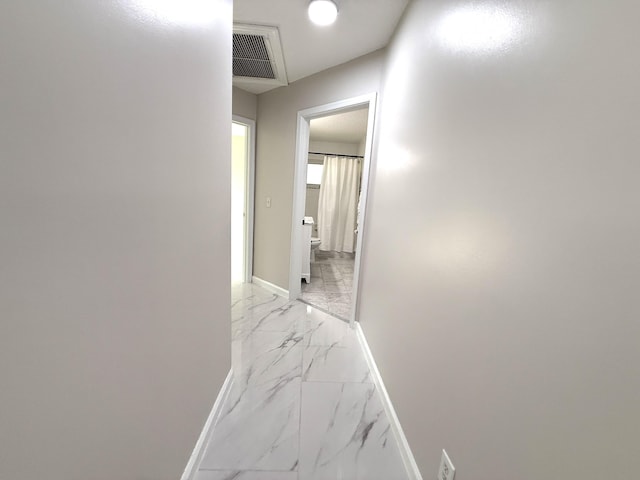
363 26
349 127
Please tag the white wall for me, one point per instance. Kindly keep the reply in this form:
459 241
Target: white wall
239 153
505 207
114 245
245 104
362 147
332 147
275 157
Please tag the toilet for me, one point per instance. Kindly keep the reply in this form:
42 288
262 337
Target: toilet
315 243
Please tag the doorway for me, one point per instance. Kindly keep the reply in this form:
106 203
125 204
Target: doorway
242 187
337 261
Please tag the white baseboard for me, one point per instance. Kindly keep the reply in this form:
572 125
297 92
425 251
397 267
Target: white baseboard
270 286
396 428
196 456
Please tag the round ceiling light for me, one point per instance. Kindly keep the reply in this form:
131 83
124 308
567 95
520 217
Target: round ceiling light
323 12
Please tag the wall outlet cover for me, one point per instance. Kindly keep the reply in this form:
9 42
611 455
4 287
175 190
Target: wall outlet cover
446 471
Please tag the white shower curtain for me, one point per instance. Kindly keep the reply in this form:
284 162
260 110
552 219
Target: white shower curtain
338 203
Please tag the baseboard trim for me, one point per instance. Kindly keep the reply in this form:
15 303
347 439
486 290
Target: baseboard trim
196 456
270 286
405 451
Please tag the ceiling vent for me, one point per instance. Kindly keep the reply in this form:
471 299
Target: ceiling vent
258 62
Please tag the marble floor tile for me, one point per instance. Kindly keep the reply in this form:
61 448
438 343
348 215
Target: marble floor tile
259 358
277 315
244 475
244 310
323 330
258 429
248 292
334 364
344 433
301 406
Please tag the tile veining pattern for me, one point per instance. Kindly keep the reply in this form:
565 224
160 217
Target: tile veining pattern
303 405
331 284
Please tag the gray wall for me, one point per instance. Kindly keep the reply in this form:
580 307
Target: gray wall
245 104
275 154
505 207
114 245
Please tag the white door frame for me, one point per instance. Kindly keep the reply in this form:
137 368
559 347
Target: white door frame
249 193
300 185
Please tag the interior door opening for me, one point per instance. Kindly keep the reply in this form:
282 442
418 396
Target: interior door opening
333 153
241 199
333 194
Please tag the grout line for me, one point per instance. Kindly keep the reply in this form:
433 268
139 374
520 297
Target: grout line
335 381
300 412
243 470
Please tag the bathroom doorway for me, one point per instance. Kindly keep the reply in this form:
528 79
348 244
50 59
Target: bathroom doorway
332 172
242 181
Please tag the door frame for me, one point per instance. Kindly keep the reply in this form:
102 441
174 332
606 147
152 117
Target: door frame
249 185
300 183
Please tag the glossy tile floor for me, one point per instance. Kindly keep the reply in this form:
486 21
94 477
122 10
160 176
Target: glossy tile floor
331 284
303 405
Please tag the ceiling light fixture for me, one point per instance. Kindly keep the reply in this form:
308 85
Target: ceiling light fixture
323 12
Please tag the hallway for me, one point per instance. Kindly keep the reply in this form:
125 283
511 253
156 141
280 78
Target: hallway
303 404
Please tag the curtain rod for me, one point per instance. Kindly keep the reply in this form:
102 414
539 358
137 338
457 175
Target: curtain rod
336 155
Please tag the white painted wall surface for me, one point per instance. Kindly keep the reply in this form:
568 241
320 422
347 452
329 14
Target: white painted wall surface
505 211
245 104
332 147
114 238
239 153
275 157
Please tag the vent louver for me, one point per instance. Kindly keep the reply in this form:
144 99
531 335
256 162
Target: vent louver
251 57
258 62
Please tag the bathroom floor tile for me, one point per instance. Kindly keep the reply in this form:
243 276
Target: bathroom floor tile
336 287
318 299
334 272
340 310
339 297
316 286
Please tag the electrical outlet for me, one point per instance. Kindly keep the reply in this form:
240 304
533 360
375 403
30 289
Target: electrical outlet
446 470
268 202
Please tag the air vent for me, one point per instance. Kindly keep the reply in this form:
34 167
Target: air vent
258 63
250 57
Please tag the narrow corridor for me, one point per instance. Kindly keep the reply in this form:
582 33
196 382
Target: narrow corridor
303 404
